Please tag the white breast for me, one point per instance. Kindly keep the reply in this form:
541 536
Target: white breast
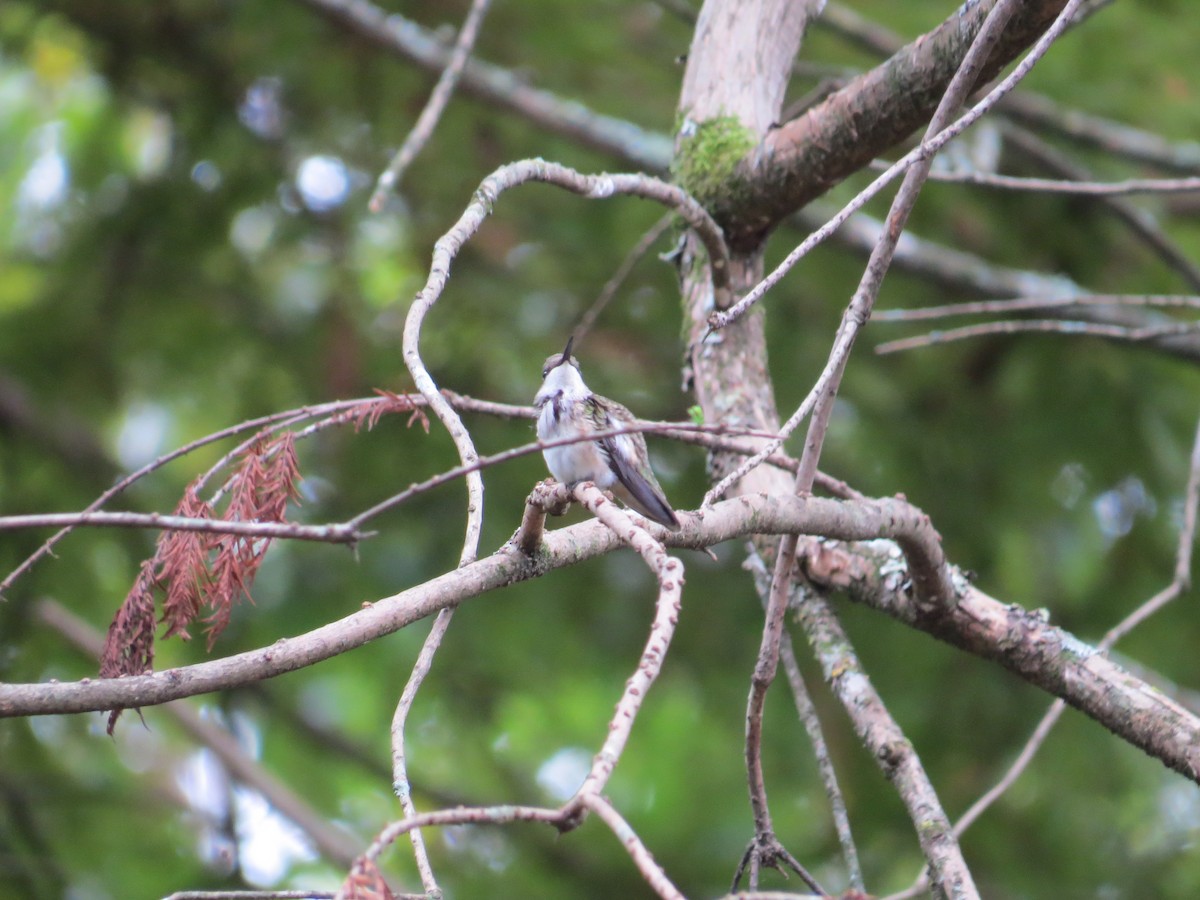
572 462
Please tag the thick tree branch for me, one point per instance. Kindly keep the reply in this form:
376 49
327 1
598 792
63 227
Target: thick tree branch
891 750
803 158
1022 641
559 548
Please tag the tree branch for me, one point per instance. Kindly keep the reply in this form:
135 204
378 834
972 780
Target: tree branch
1048 657
803 158
334 534
499 88
427 121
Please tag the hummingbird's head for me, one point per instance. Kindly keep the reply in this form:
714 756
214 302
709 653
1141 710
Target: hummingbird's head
560 373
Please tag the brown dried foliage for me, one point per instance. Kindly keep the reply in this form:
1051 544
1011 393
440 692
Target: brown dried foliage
205 571
202 570
129 644
366 882
369 414
183 556
262 488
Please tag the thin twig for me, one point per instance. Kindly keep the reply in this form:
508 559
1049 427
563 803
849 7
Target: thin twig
251 895
1114 138
1140 222
427 121
1034 304
1043 326
333 533
919 155
1073 188
1180 583
807 713
500 88
655 877
338 846
923 151
673 428
439 273
400 782
640 249
944 265
668 571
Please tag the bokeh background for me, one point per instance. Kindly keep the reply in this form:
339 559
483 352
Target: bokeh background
185 244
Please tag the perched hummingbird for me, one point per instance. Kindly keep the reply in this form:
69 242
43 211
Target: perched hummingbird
566 408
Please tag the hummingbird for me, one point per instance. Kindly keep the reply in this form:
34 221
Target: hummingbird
567 408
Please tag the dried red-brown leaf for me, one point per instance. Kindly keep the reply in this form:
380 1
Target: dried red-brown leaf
232 573
389 402
281 471
183 558
129 645
366 882
264 485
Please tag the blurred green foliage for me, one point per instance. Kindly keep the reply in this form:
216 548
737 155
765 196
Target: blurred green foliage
164 275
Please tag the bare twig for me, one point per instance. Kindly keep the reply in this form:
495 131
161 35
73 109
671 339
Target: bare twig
944 265
462 815
673 429
807 713
336 845
640 249
651 871
1180 583
1044 326
1139 221
668 571
498 87
1034 304
920 155
427 121
1073 188
333 533
1115 138
922 152
439 273
400 782
251 895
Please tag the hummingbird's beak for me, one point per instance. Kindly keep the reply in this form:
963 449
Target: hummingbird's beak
566 357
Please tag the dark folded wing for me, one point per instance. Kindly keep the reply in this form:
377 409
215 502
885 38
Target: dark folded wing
650 502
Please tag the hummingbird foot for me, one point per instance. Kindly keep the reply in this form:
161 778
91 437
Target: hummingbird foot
556 500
